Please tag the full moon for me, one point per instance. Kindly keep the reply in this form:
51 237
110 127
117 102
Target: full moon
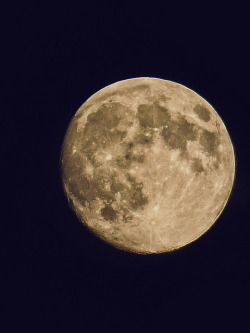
147 165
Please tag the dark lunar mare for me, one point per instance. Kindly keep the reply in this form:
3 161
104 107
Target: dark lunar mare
176 134
100 133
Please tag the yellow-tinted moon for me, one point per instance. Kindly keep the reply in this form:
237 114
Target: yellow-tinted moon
147 165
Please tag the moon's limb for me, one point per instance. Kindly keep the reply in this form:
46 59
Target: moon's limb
147 165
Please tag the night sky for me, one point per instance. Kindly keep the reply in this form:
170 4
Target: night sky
55 275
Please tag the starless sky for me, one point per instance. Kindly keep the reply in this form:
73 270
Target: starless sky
54 273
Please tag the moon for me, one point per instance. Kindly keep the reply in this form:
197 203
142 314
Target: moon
147 165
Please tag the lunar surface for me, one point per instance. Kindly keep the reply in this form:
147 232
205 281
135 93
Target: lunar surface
147 165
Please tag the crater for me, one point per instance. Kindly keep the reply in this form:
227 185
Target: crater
202 112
